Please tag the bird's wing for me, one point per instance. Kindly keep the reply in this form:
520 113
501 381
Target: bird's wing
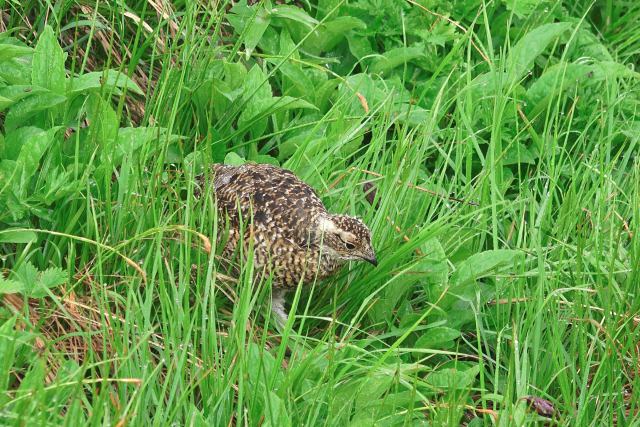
281 204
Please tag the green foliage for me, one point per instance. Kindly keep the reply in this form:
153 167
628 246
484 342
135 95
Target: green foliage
501 142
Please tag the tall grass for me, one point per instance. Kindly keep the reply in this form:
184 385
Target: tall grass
503 159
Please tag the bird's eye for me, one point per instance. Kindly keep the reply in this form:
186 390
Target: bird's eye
349 246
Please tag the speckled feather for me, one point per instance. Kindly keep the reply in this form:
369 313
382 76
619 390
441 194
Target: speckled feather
284 211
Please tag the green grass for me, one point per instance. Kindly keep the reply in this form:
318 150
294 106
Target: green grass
501 139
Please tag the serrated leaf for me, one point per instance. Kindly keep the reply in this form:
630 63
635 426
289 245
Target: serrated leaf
10 286
27 274
111 79
17 236
48 63
50 278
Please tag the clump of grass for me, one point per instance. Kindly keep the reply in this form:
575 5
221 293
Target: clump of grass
497 146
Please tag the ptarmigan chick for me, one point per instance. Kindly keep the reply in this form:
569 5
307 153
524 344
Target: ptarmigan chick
294 238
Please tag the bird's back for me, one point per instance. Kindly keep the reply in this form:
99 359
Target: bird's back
281 207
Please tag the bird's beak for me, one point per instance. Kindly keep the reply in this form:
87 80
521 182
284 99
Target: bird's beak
372 260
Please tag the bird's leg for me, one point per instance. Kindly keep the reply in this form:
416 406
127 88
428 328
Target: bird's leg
277 306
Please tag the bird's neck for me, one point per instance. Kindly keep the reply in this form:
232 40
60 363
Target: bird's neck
329 264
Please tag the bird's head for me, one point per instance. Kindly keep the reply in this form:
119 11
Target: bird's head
346 238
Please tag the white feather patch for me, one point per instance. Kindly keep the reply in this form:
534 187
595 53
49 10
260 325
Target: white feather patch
325 225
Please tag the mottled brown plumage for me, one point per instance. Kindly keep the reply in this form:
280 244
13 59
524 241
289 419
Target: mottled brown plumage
294 238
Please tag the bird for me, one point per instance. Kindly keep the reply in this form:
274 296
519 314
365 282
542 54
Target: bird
295 239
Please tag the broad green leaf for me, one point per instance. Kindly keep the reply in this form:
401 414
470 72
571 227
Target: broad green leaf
395 57
235 74
522 8
518 153
562 76
257 95
15 93
439 33
434 262
23 110
326 6
373 387
412 115
32 151
256 85
438 337
250 22
265 158
17 236
302 140
457 378
329 34
232 159
104 122
276 411
295 81
8 172
359 45
130 139
286 46
16 71
294 13
484 263
194 163
10 286
9 342
364 85
111 79
586 44
254 119
10 51
530 46
34 283
26 146
48 63
60 185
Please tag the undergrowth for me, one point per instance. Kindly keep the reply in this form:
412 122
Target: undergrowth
492 147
